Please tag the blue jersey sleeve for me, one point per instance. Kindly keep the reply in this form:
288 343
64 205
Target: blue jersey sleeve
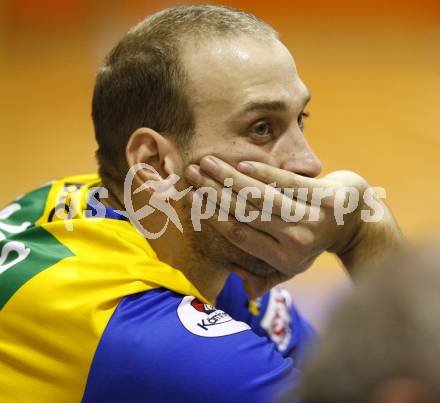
164 348
273 316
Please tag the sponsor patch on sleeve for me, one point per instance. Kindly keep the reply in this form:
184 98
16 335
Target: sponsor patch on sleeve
277 320
207 321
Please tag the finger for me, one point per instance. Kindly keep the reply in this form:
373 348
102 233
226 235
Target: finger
276 209
284 179
269 201
243 208
221 171
245 237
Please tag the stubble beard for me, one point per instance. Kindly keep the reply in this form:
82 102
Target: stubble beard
211 248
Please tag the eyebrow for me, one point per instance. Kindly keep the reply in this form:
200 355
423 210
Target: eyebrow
275 106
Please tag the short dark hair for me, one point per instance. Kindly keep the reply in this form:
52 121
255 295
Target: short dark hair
142 83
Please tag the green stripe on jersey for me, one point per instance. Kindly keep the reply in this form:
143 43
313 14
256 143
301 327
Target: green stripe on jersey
25 250
24 211
24 255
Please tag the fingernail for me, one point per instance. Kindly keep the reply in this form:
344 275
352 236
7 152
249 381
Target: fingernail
192 173
208 164
245 167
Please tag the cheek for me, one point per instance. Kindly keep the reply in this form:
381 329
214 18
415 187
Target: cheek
233 151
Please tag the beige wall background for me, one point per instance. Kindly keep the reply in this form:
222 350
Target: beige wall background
374 72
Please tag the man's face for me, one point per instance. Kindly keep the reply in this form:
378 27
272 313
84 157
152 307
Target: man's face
248 104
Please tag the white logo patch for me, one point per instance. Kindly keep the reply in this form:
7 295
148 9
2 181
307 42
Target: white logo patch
205 320
277 320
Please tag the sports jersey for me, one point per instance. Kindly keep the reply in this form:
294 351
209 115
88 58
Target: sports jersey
89 313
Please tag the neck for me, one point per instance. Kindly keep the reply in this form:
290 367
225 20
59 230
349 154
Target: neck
115 198
176 249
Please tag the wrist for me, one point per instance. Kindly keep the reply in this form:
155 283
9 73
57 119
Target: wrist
371 243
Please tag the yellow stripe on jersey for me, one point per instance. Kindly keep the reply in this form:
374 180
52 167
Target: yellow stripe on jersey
52 323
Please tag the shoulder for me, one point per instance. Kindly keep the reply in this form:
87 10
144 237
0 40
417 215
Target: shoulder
175 348
274 316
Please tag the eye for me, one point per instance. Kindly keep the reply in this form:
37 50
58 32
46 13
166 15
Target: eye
262 130
302 116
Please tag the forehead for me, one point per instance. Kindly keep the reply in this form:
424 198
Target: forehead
228 73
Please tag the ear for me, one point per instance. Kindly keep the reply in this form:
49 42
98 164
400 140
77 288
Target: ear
149 147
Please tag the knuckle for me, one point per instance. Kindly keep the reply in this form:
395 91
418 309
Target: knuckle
237 234
258 202
322 216
328 202
304 239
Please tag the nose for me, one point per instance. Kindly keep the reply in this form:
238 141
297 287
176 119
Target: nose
294 154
